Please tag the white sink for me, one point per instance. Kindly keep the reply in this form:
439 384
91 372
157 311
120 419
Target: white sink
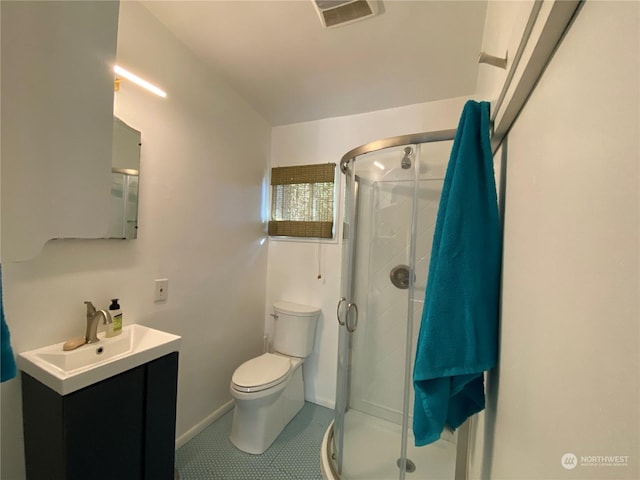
66 372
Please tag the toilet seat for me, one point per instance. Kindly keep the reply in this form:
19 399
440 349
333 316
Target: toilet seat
261 373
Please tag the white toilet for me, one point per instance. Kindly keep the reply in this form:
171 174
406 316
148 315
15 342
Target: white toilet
269 390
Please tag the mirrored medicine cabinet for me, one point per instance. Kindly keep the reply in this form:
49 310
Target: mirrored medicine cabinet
125 176
57 135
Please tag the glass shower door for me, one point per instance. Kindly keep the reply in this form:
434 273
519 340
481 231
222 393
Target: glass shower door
345 315
373 311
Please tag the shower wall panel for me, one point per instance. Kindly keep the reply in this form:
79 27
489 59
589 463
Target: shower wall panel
383 242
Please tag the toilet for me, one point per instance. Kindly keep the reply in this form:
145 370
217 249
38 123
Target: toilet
269 389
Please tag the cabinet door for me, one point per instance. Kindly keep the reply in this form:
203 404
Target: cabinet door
42 413
162 382
104 429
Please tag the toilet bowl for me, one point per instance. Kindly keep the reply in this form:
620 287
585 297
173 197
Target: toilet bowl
269 389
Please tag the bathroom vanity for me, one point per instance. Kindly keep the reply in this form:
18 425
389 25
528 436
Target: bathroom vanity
120 428
110 419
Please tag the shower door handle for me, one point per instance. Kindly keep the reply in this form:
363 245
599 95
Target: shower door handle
350 328
342 299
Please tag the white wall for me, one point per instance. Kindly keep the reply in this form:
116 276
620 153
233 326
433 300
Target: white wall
204 156
568 376
293 265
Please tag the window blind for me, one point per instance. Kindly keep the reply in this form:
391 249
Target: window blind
302 201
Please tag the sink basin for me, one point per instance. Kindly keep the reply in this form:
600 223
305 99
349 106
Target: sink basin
86 355
66 372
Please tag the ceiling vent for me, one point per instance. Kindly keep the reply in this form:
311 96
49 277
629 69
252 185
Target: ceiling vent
340 12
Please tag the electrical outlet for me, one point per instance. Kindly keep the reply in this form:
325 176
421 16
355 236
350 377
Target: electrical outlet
162 289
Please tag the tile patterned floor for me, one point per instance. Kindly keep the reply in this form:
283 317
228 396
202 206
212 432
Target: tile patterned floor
295 455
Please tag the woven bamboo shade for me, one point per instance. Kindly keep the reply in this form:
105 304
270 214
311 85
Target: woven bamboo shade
302 201
320 173
301 229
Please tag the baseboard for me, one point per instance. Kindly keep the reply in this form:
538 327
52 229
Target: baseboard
198 427
323 402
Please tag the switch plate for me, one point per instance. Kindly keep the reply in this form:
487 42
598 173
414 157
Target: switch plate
162 289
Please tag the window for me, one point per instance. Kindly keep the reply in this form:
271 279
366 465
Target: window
302 201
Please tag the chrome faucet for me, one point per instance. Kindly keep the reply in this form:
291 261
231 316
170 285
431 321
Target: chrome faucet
93 318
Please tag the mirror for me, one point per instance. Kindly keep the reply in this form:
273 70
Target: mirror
125 173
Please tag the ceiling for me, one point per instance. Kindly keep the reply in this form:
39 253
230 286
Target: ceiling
291 69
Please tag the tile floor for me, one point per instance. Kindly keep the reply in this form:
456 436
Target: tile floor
295 455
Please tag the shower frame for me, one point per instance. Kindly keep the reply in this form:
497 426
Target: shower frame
347 317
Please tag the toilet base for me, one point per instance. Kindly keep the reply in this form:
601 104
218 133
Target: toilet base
257 422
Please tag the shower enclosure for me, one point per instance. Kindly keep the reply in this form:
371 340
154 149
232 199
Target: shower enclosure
124 203
393 189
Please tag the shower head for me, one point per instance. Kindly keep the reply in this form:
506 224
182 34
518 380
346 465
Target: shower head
406 160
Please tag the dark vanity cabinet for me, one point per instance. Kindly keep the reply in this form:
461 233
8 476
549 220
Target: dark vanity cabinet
122 428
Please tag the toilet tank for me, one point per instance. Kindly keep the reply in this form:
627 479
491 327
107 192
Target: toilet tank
294 328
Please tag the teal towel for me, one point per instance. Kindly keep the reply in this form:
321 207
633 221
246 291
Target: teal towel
458 337
7 361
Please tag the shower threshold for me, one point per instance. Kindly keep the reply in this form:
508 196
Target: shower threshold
372 447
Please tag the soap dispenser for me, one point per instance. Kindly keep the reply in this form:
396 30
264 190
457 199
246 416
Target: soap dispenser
116 315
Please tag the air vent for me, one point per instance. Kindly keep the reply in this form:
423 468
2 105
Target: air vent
339 12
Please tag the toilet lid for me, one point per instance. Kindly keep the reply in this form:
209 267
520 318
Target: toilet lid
261 372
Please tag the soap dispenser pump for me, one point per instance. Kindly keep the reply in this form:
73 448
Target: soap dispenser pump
116 315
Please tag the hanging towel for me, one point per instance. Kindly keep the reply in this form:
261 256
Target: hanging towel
7 361
458 337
